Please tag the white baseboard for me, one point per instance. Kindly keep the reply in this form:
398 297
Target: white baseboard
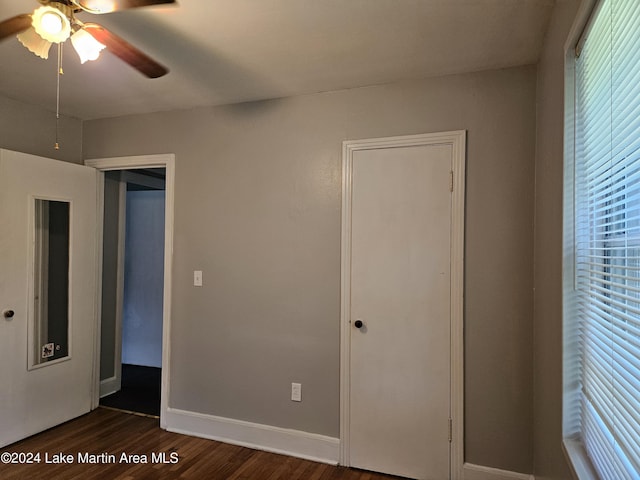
478 472
295 443
109 386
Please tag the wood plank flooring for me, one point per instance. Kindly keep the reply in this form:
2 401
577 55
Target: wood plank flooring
104 435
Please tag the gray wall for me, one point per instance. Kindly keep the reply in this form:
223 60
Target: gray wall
257 208
143 278
29 129
549 458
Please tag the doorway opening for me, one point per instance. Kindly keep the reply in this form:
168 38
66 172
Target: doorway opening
108 373
132 290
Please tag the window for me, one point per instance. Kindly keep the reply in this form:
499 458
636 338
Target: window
49 332
602 244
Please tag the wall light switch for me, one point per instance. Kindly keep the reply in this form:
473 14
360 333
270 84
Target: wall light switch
296 392
197 278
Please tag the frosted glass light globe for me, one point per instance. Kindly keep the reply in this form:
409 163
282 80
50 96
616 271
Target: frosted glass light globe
51 23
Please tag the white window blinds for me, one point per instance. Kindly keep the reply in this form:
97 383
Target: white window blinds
607 238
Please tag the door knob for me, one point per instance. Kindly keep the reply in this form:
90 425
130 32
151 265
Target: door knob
8 314
358 324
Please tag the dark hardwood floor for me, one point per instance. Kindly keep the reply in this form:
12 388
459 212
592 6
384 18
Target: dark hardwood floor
104 435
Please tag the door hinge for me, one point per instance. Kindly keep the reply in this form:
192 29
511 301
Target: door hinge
451 181
450 430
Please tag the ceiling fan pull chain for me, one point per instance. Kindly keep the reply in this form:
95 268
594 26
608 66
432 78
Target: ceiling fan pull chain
60 73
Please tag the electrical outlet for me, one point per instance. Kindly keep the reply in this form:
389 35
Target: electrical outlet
296 392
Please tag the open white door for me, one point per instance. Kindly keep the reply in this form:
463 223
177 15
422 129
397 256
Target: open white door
47 292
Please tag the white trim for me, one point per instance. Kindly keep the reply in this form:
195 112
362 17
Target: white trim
33 355
295 443
575 452
580 24
479 472
122 233
166 161
95 384
459 153
112 384
579 462
109 385
457 140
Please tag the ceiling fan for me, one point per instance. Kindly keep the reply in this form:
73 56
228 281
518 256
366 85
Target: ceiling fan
55 22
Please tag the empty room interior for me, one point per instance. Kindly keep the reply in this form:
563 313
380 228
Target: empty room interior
334 230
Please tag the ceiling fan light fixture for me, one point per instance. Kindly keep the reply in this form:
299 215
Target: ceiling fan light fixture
86 46
34 42
51 24
96 6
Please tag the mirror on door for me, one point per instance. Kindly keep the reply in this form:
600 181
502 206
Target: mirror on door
49 332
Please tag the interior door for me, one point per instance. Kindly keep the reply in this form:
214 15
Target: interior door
400 311
47 292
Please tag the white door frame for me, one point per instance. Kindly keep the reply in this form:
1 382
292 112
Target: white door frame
457 140
166 161
114 383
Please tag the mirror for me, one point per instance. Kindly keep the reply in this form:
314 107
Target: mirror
50 339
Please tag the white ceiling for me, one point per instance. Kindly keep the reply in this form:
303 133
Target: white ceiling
228 51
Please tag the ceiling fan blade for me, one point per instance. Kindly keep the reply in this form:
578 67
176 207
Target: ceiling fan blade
14 25
106 6
126 52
